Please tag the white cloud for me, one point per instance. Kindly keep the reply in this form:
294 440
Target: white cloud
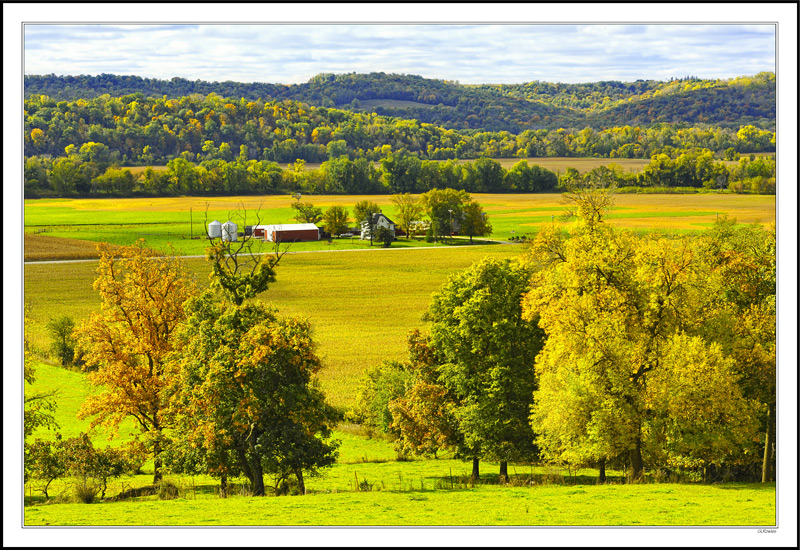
469 53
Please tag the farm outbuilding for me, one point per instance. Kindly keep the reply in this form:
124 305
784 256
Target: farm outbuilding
215 230
229 231
287 232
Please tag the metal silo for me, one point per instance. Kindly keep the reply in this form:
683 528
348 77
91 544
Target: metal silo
215 230
229 231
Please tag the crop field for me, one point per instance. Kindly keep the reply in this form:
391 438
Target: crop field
181 221
362 303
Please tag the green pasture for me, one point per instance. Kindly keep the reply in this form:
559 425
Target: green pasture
483 505
369 485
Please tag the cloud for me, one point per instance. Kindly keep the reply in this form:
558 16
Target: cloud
289 53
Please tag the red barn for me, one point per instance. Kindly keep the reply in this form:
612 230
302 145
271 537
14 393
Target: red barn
287 232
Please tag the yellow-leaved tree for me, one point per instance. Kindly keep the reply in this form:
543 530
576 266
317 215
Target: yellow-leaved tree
629 368
142 292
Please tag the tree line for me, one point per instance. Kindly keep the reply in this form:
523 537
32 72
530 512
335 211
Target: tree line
507 107
87 172
598 348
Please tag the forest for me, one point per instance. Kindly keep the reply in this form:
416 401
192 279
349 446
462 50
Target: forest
513 108
217 145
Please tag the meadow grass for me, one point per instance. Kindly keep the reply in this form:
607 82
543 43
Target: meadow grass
481 505
368 485
71 388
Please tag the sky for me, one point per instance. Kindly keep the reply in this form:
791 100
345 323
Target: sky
471 53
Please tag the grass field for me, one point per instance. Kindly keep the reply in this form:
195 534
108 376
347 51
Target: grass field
361 305
369 486
488 505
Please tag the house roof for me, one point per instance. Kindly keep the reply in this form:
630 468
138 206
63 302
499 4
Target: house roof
378 215
287 227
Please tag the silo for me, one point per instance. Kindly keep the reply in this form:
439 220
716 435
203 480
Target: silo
215 230
229 231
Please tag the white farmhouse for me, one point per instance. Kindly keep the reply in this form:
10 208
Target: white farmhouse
378 220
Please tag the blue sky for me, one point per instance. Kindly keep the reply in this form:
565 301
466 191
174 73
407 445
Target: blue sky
471 53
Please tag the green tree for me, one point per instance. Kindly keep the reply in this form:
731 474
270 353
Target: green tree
116 181
45 461
385 236
409 210
335 218
306 212
740 264
381 385
474 222
245 392
363 213
620 314
63 346
486 352
442 207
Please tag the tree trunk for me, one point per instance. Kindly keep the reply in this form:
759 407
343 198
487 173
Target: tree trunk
223 486
475 470
300 482
503 472
258 478
602 476
637 467
766 467
157 462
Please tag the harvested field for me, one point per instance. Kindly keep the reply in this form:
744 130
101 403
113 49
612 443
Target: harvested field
42 247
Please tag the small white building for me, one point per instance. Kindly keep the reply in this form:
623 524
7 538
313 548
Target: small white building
378 220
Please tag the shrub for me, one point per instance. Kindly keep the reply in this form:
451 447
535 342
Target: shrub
384 236
167 490
85 491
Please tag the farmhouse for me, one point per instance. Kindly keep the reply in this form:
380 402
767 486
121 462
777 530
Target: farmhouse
287 232
378 220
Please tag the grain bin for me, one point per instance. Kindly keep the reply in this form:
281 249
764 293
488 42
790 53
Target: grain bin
229 230
215 230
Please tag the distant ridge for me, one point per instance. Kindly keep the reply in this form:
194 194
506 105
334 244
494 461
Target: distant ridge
514 108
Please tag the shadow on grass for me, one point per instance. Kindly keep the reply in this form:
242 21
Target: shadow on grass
760 487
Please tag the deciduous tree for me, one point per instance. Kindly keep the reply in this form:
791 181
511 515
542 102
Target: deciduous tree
623 356
335 219
409 210
486 352
142 292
